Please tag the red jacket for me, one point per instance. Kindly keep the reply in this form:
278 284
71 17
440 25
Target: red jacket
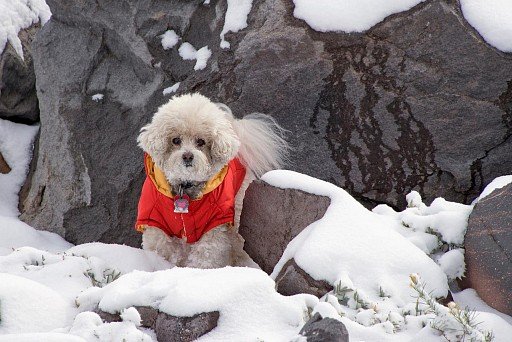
215 207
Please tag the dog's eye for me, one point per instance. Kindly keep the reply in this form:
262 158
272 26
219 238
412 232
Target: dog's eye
176 141
200 142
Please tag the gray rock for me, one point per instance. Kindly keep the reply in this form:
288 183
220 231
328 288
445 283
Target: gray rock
419 101
319 329
488 244
184 329
276 215
170 328
18 98
293 280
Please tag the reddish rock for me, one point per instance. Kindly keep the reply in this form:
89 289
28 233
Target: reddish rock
293 280
272 217
4 167
489 249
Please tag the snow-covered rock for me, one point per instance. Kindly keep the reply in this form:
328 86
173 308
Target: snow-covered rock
331 250
245 298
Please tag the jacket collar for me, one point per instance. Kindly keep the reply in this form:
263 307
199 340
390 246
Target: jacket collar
162 185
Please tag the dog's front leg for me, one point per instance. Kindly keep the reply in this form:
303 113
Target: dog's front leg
172 249
213 250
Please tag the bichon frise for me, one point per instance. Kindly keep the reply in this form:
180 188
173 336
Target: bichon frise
199 161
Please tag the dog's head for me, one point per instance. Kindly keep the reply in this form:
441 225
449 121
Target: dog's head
190 138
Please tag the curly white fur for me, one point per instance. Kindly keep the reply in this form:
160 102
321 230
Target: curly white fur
257 140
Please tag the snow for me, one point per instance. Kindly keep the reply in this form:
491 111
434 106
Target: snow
27 306
16 15
246 299
492 19
188 52
236 19
431 228
17 234
171 89
90 327
16 141
169 39
348 15
452 263
97 97
469 298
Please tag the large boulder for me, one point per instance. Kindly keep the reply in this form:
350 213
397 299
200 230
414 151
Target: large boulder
488 245
417 102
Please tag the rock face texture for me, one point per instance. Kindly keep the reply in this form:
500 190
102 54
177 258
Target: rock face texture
271 215
489 249
18 98
419 101
319 329
170 328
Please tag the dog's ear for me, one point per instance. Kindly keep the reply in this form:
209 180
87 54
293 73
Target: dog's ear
153 140
225 145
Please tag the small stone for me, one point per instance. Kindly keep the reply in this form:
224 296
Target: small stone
183 329
319 329
4 167
294 280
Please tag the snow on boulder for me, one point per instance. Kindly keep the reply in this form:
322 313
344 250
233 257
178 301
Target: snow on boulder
348 15
492 19
350 247
236 19
496 184
27 306
245 298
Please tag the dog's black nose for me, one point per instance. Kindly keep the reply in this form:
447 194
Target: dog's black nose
188 157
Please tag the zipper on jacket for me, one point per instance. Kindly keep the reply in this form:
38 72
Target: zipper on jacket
184 237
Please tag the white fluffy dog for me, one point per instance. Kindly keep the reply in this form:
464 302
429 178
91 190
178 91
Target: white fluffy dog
199 161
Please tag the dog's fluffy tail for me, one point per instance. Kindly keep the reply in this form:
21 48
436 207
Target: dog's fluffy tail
263 145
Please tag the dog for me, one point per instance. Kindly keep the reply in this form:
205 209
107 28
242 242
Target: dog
199 160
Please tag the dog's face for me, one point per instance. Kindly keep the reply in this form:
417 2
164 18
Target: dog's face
190 138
